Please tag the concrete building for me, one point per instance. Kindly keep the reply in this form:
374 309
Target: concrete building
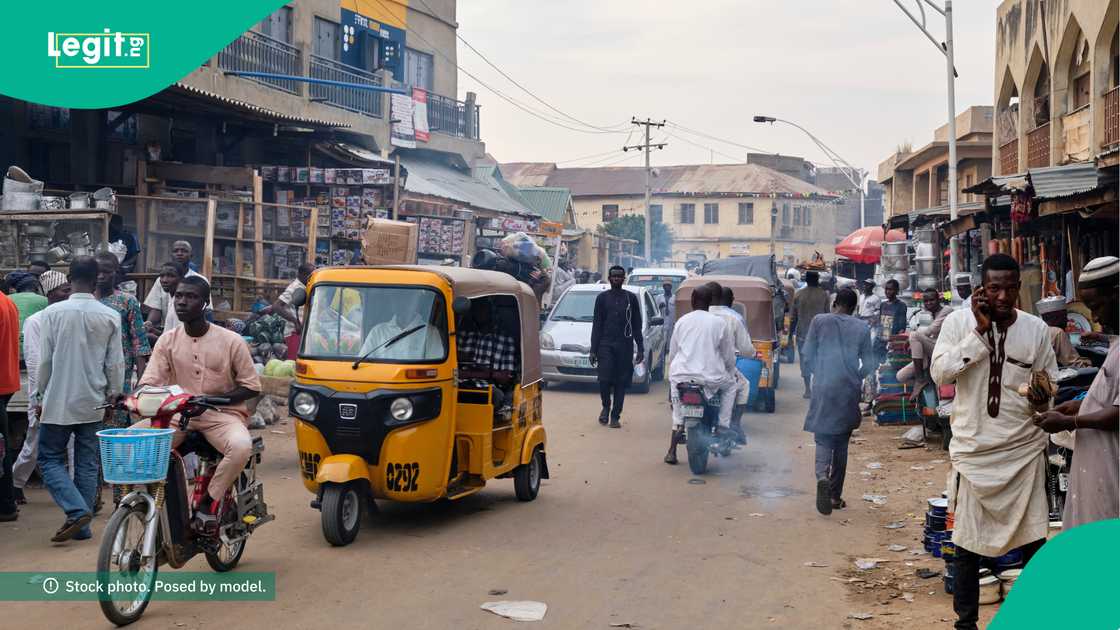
713 211
1056 91
215 116
918 180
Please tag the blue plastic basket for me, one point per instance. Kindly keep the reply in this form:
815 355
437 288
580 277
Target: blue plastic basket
135 455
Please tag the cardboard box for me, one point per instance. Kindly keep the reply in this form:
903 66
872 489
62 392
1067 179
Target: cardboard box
387 242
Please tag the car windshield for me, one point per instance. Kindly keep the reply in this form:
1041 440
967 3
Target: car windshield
350 322
575 306
654 282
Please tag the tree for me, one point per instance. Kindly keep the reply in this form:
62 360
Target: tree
633 226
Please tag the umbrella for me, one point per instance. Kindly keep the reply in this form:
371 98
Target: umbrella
865 244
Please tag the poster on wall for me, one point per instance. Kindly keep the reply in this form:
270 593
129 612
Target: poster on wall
420 114
402 133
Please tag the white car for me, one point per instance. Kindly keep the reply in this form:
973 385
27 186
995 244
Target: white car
566 338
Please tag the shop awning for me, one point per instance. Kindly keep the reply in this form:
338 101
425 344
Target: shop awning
430 176
189 98
355 155
1051 182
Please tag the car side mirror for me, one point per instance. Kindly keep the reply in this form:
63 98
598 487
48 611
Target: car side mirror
461 305
656 321
299 298
544 316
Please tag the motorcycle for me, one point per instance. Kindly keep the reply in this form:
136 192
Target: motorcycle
701 420
154 522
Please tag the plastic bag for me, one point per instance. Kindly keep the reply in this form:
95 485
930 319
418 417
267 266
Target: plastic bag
521 247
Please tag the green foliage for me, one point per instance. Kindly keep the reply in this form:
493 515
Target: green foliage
633 226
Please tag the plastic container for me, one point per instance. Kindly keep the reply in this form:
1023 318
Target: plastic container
131 456
1007 580
990 590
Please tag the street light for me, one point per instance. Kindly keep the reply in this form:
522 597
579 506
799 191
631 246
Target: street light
945 48
847 170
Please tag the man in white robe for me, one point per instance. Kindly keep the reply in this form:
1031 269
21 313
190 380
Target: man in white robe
997 488
737 327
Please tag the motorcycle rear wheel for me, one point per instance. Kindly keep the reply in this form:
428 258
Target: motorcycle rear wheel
697 449
118 560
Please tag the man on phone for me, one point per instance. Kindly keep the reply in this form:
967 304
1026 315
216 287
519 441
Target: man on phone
997 489
615 331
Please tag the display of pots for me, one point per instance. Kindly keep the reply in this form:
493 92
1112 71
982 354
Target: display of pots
894 263
925 282
926 266
78 239
58 253
52 203
902 278
17 180
37 230
925 250
990 590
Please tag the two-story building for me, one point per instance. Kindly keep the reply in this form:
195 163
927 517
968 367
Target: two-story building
712 210
917 181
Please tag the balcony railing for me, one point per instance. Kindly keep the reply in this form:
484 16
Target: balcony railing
1038 147
1009 158
366 102
451 117
1112 117
253 52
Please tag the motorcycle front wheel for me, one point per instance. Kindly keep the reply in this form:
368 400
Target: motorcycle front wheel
125 579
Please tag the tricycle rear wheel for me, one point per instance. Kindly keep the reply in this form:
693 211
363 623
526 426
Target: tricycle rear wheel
342 507
527 477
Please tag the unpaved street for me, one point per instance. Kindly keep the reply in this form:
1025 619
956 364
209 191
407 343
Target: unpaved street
616 536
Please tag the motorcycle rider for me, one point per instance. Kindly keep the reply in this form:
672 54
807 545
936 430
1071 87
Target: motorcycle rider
208 360
722 299
703 351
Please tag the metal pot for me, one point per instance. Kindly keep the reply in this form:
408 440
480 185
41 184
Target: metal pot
79 200
902 278
894 248
19 181
58 253
52 203
894 263
37 230
18 201
78 239
926 266
989 590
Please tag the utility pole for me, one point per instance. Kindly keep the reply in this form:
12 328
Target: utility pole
946 48
647 123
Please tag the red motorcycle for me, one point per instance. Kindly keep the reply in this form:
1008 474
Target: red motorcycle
154 522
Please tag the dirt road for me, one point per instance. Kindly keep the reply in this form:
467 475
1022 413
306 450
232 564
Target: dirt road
616 536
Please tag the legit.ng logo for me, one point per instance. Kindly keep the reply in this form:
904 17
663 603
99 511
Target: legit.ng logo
103 50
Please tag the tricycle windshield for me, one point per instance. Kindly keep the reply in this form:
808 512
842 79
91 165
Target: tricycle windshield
383 324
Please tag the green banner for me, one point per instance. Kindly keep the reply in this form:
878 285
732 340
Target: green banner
82 54
167 585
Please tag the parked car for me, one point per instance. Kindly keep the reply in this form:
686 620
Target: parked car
566 337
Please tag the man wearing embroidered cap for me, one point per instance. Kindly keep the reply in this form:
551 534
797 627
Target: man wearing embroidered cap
1052 310
57 288
1094 484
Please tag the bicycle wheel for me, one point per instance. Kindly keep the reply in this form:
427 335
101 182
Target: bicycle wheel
126 579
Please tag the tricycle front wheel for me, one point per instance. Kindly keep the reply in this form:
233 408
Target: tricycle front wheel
342 508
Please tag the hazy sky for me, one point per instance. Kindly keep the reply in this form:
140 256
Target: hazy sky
856 73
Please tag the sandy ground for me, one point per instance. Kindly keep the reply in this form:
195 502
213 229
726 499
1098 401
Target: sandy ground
615 537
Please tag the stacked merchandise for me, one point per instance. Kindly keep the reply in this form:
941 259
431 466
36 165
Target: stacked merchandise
997 575
893 404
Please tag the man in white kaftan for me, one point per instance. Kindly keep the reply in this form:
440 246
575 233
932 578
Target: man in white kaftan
997 485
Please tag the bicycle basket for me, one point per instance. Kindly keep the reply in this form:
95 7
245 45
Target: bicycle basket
134 455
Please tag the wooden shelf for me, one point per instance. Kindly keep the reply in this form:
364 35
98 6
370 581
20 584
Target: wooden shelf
55 215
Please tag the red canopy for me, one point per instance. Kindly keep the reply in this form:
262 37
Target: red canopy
865 244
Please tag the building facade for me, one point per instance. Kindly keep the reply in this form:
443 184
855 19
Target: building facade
917 180
713 211
1056 84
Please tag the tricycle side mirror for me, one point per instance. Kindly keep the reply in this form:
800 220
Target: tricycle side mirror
461 305
299 297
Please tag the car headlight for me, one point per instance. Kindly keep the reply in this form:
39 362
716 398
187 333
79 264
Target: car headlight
305 404
547 342
401 409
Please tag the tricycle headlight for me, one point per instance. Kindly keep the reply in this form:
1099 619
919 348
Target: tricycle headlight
401 409
305 405
547 342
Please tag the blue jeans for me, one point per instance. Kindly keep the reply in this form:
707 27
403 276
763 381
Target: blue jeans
76 496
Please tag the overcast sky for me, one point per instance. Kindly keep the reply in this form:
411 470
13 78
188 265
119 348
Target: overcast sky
856 73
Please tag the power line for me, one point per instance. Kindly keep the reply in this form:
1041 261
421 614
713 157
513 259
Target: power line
497 92
587 157
718 139
706 148
611 128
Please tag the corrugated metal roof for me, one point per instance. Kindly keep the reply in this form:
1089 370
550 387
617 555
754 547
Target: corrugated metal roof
1056 182
695 179
431 177
550 202
527 174
256 109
